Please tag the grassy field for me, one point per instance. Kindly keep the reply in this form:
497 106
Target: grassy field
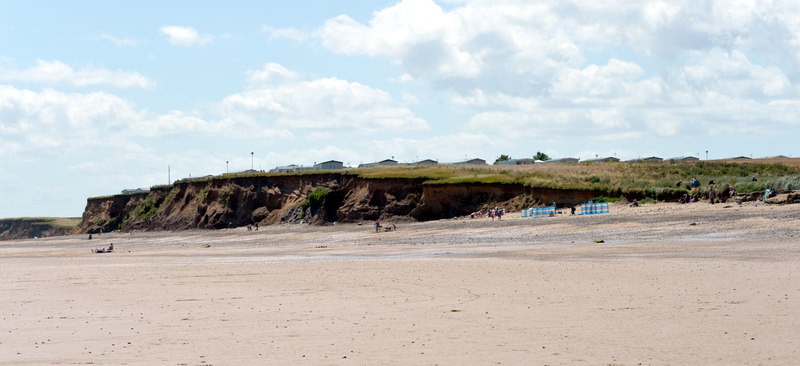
649 179
62 222
652 178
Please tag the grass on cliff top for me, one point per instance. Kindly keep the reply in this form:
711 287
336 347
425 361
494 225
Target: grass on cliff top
655 178
621 176
65 222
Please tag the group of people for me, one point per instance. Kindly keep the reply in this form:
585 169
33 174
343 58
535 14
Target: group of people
492 213
387 228
104 250
713 194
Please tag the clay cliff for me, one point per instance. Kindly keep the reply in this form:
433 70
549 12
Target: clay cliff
27 228
231 202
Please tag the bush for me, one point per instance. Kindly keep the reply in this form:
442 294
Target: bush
602 199
316 198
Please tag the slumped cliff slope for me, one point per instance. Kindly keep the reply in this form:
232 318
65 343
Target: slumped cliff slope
231 202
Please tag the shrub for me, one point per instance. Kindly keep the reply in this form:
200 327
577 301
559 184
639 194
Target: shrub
145 210
316 198
601 199
225 196
202 195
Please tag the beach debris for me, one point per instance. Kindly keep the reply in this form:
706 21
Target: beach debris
455 310
207 246
693 224
599 241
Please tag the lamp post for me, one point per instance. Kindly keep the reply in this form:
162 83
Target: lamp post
706 154
251 160
226 167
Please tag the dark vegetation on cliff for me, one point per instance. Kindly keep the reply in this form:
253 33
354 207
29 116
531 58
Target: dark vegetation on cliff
411 193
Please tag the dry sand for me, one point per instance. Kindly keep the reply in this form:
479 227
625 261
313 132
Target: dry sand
672 284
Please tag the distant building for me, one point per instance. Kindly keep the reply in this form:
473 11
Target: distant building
425 162
740 158
524 161
684 158
651 159
602 160
475 161
284 169
387 162
132 191
562 161
329 165
197 178
775 157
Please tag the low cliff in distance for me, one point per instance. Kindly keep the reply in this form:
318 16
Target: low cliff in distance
418 193
310 198
28 228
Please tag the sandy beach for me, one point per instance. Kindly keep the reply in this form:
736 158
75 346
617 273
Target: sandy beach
669 285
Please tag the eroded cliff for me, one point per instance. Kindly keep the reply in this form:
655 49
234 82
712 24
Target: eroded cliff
264 200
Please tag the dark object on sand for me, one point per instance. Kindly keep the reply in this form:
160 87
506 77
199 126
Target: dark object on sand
105 250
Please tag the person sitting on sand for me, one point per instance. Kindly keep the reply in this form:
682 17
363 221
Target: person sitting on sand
111 247
635 203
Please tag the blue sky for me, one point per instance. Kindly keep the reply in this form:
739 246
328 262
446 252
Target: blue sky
96 97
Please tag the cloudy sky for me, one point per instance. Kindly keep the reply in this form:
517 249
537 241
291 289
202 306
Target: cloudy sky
100 96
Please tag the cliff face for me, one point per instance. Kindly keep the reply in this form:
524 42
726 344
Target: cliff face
26 228
241 201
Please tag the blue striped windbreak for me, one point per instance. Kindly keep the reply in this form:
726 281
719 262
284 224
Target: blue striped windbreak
594 208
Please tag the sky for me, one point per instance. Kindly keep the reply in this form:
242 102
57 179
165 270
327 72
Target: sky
101 96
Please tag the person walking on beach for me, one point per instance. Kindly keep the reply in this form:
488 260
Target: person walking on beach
711 195
377 226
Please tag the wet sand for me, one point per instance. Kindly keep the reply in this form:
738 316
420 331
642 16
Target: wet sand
671 284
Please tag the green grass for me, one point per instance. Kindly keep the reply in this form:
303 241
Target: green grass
653 180
601 199
316 198
145 210
203 193
225 196
63 222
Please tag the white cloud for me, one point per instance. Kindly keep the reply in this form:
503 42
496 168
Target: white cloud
444 148
607 118
271 73
185 36
617 81
53 122
59 72
286 33
327 103
119 41
732 73
309 156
